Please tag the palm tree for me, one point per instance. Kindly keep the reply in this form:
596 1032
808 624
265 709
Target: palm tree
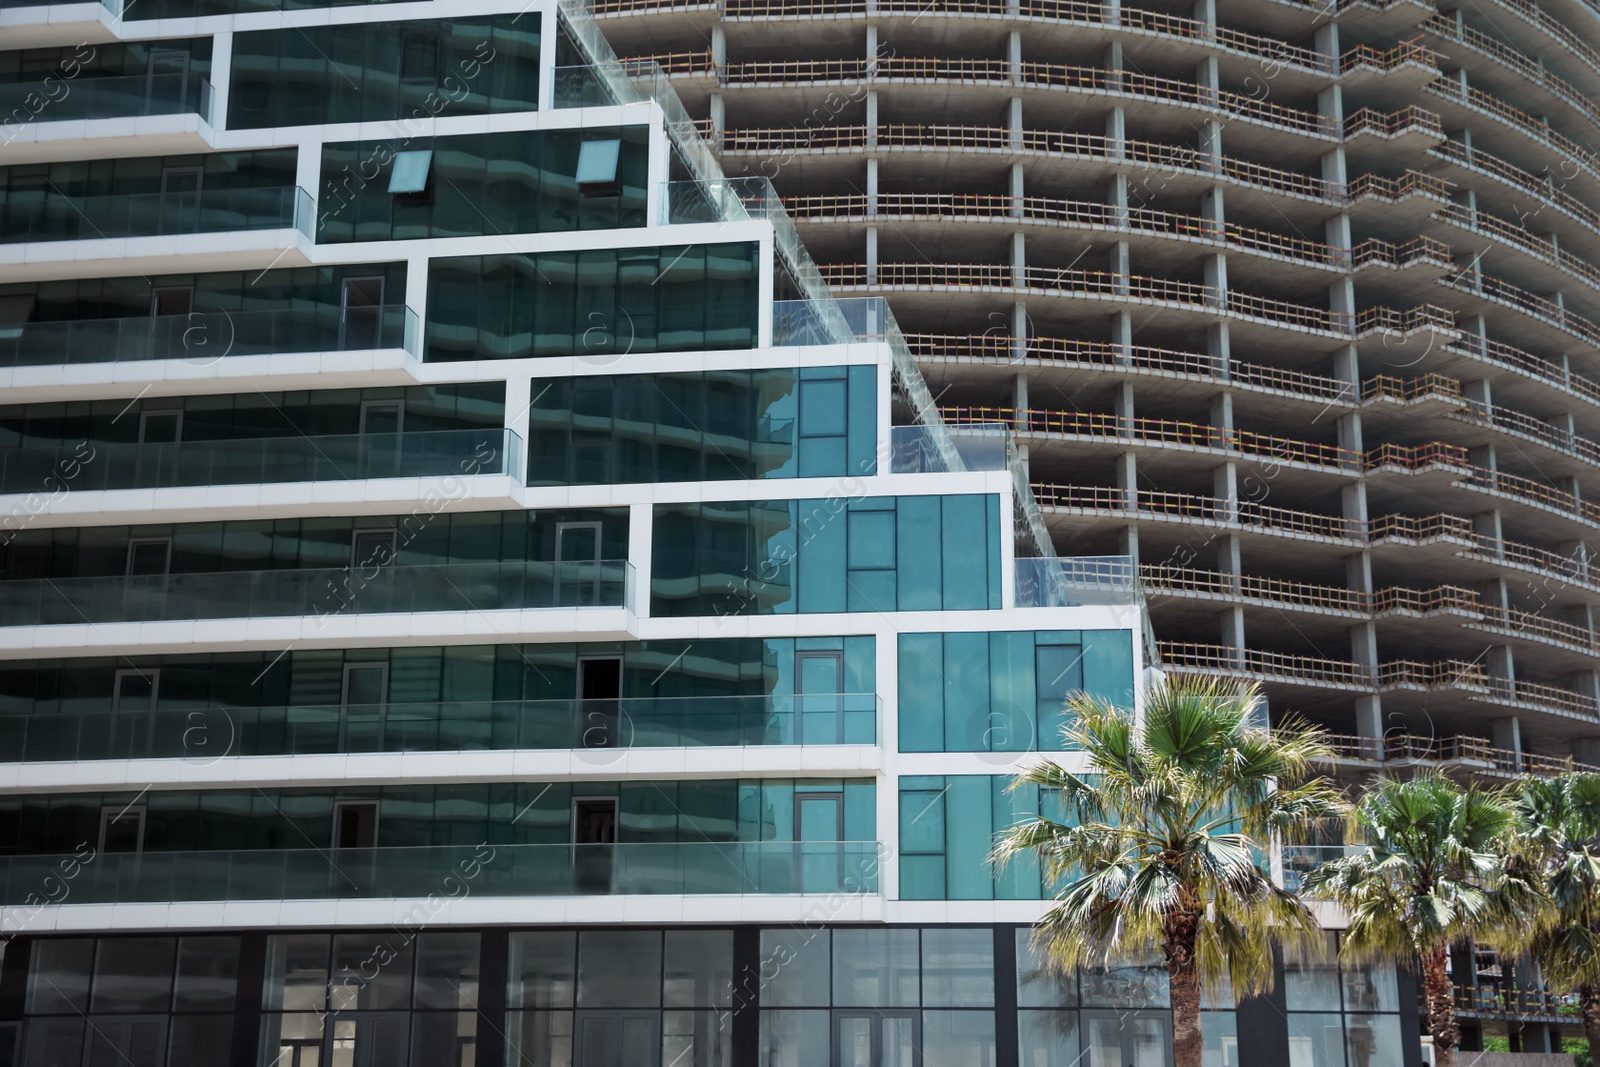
1166 843
1559 824
1437 869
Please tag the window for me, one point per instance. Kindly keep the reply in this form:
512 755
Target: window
134 689
411 173
149 557
122 829
597 173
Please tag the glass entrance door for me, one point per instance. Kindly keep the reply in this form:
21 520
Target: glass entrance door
616 1039
180 199
1126 1039
382 423
819 685
818 827
879 1039
577 578
359 312
364 701
166 80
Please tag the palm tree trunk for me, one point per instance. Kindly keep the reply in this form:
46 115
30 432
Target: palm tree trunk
1589 999
1188 1044
1441 1006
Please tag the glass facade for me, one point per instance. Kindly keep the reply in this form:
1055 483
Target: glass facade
706 426
947 826
816 690
1342 1014
377 71
111 80
466 189
1005 692
921 553
430 560
203 317
260 437
595 302
149 196
177 9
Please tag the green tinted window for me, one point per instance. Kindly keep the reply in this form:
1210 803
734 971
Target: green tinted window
377 72
827 555
598 302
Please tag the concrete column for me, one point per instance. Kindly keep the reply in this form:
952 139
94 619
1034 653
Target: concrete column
1127 471
1211 210
1117 133
1225 489
1210 146
1014 123
1021 330
872 119
1119 265
1014 54
718 115
1019 260
1018 193
1019 391
1486 525
1506 733
719 46
872 255
872 43
1117 197
1122 336
1220 349
1124 410
1231 620
872 187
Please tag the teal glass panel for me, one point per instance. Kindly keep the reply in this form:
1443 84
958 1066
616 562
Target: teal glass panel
970 833
871 540
1013 720
918 552
862 425
821 568
597 162
921 692
967 540
1108 665
1058 674
968 726
922 877
410 171
922 821
1019 879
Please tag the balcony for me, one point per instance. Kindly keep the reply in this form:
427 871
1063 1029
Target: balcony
133 96
267 226
205 336
732 868
1074 581
451 726
365 590
266 460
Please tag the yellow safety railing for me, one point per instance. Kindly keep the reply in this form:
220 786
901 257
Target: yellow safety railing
1040 75
1549 371
1547 311
1105 354
1155 431
1447 27
1416 250
1404 321
1555 28
1407 52
1088 213
1530 183
1411 183
1540 247
1409 390
1473 97
1394 123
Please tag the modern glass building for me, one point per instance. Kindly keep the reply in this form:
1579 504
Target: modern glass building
470 596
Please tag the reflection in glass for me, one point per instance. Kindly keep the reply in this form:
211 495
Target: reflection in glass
543 969
539 1038
1315 1040
795 1038
1048 1038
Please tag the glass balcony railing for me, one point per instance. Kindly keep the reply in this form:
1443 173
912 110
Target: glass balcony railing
204 336
916 449
83 218
112 98
734 867
258 460
447 726
316 591
1074 581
